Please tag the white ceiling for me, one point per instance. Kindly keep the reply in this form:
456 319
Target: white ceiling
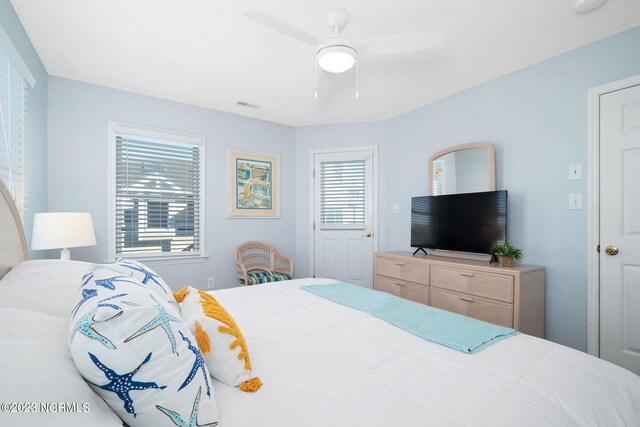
205 52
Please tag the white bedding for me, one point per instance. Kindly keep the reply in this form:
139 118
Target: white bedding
35 363
322 364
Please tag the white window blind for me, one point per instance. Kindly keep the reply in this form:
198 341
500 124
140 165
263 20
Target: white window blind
439 174
13 113
342 194
157 198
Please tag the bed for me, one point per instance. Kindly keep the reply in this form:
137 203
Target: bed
322 364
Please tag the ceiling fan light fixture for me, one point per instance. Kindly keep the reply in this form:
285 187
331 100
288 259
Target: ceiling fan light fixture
337 59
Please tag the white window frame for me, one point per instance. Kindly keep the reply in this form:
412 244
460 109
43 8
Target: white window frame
120 128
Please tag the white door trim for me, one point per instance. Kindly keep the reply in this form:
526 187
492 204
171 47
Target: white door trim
593 214
337 150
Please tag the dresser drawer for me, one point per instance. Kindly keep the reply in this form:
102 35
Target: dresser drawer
495 312
490 285
403 270
399 288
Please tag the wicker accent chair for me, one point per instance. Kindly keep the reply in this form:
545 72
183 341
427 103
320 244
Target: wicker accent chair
259 262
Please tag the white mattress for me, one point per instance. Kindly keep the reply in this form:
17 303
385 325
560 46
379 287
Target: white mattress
324 364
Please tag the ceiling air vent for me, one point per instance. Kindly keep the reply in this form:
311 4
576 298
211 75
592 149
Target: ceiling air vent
247 104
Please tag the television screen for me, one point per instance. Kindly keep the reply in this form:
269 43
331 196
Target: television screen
470 222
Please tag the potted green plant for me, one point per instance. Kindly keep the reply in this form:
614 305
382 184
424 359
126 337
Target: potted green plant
506 253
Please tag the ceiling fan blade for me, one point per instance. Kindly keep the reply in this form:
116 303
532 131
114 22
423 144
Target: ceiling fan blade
281 26
401 43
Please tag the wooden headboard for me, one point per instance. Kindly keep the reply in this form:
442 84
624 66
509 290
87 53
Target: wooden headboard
13 242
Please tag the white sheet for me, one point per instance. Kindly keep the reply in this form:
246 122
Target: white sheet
324 364
47 286
35 363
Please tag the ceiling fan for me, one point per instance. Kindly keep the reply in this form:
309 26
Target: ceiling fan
338 54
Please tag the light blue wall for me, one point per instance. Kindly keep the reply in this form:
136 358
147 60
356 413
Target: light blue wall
35 144
537 120
78 115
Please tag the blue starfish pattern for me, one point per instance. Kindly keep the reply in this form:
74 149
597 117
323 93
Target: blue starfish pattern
162 320
85 327
193 419
102 302
86 294
197 365
86 278
110 282
121 385
148 275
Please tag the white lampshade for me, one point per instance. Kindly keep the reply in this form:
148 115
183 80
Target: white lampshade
337 59
62 230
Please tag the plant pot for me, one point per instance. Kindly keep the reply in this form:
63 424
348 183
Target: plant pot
506 261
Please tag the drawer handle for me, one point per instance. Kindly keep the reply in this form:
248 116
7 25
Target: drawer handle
467 299
399 284
401 264
467 274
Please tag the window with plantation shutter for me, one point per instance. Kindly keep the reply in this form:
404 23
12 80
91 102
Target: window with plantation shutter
157 200
16 82
342 194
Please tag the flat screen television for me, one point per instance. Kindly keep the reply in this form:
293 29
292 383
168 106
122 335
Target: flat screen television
469 222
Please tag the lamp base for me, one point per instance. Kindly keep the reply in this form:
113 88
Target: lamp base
65 254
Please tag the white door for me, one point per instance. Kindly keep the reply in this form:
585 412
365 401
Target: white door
620 228
343 216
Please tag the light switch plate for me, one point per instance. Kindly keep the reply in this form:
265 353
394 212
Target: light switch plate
394 208
575 201
575 172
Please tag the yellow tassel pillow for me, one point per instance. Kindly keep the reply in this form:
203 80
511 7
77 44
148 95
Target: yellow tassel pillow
219 338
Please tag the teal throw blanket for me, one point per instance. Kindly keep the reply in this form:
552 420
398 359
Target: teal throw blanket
438 326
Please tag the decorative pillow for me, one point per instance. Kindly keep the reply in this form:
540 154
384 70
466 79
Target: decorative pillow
144 274
219 339
258 277
135 351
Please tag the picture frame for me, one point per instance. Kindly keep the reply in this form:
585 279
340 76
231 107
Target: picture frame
253 184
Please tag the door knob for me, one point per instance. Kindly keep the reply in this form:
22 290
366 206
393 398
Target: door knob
611 250
367 234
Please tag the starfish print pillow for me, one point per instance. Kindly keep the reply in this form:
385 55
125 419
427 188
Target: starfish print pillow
139 271
219 338
135 351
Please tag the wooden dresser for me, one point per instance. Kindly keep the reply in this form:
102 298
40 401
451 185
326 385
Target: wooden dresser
507 296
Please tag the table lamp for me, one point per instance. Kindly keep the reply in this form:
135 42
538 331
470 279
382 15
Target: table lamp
62 230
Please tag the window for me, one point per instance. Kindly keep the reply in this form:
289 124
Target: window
157 214
156 177
342 194
15 83
439 174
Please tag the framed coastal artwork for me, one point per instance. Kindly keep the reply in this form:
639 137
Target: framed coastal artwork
254 184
